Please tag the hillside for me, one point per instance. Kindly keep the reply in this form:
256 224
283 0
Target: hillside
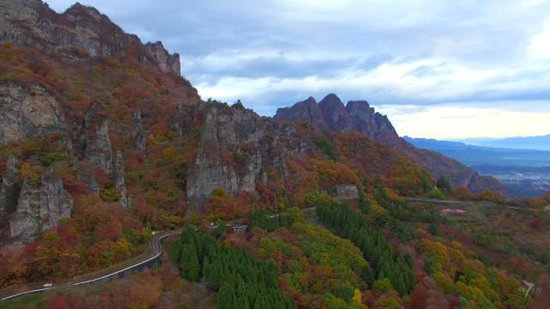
102 142
330 115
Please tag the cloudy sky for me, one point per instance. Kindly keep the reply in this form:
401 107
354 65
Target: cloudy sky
440 69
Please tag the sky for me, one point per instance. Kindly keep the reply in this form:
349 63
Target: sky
438 69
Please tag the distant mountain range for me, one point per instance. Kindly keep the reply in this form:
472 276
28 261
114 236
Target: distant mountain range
525 172
531 142
473 155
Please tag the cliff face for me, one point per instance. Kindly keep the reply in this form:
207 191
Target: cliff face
40 206
10 187
236 149
79 29
25 114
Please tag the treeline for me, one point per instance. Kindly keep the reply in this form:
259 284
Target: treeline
373 244
241 281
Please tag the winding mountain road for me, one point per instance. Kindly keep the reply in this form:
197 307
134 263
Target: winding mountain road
155 245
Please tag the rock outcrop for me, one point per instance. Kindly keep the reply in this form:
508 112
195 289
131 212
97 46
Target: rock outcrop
367 121
166 61
10 187
235 149
335 114
80 29
28 112
344 192
307 111
40 206
97 145
120 182
331 115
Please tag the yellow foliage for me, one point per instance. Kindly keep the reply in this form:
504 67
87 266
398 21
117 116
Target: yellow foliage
357 297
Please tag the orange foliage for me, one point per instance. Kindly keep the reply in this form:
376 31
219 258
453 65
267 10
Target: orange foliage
224 206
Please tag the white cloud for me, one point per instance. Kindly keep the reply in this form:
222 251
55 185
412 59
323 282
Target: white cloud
458 122
540 43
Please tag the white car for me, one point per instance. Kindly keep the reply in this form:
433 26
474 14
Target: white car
48 285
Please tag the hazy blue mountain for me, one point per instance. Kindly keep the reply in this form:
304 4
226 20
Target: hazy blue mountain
472 155
531 142
525 173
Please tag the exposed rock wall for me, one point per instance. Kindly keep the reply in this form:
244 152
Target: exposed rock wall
97 145
40 207
28 112
120 182
331 115
10 187
166 61
236 147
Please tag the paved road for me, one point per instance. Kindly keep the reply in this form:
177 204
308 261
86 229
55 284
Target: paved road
156 253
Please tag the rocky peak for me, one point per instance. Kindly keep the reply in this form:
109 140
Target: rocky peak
331 114
79 11
334 113
166 61
367 121
307 111
79 28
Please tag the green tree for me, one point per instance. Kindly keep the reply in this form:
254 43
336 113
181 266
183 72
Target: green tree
444 183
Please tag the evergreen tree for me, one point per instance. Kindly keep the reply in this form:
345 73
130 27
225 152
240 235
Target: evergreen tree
444 184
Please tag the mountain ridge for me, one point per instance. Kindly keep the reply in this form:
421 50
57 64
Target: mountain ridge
78 30
541 142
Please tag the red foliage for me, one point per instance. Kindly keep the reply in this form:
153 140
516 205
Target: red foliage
536 224
101 177
59 303
73 184
418 297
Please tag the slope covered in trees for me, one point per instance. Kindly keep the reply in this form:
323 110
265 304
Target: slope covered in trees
240 280
384 261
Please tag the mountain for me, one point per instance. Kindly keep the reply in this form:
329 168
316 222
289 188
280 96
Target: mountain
473 155
330 114
79 31
531 142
